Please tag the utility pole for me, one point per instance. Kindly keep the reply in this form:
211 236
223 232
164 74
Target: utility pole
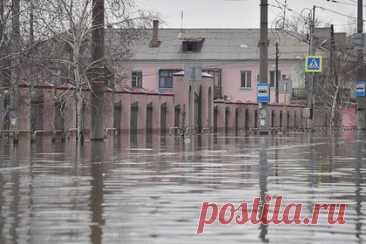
98 73
310 78
277 75
361 101
263 69
331 52
284 15
263 42
333 76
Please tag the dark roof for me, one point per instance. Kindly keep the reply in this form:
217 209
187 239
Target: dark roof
219 44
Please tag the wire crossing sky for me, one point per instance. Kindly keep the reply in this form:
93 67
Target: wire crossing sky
245 13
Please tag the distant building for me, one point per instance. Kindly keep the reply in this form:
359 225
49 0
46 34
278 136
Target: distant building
231 56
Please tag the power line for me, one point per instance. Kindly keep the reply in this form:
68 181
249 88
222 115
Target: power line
353 3
336 12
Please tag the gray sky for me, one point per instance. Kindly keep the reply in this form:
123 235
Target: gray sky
243 13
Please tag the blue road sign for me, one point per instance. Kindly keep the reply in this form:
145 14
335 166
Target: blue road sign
313 64
263 93
361 89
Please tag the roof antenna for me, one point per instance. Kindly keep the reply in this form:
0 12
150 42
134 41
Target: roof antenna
180 35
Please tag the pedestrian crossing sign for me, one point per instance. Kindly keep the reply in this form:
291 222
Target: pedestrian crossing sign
313 64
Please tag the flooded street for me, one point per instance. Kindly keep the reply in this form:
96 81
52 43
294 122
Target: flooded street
150 190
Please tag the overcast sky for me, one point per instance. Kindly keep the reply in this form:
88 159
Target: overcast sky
244 13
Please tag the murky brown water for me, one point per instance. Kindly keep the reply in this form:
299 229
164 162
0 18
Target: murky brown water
153 193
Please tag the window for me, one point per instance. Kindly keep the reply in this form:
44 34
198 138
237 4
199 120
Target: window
189 46
192 45
136 79
246 79
272 77
166 78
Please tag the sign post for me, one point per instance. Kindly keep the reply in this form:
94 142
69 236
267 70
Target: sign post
263 93
263 98
313 65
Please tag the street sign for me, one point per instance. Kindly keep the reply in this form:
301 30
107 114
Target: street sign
313 64
361 89
263 93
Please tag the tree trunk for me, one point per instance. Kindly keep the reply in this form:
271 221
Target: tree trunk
78 99
15 49
78 105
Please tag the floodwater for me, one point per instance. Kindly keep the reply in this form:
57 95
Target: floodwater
150 189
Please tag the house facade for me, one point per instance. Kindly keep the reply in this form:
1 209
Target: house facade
190 81
231 56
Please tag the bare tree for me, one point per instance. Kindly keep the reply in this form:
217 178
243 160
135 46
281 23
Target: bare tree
15 61
63 46
333 86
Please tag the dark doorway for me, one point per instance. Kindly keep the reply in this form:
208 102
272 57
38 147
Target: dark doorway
177 118
236 121
59 116
281 118
227 117
198 111
256 119
216 113
149 118
134 117
117 116
163 117
36 114
209 107
246 119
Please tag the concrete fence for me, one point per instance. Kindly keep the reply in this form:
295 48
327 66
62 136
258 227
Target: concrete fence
230 116
188 109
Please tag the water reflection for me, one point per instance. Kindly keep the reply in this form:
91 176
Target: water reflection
97 192
149 188
263 175
358 186
23 149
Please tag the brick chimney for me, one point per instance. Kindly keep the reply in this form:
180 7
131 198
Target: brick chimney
155 35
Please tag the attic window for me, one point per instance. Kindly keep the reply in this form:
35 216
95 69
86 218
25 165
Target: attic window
192 45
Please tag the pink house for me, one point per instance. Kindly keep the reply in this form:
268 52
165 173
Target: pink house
229 55
222 93
196 80
192 79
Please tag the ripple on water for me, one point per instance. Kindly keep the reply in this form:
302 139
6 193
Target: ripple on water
153 195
